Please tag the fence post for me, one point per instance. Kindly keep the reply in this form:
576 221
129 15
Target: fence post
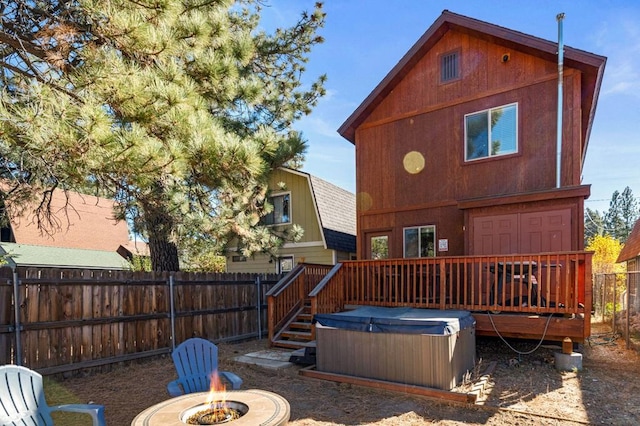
173 313
16 313
259 301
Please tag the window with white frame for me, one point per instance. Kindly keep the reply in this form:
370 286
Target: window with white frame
491 132
281 213
420 241
285 264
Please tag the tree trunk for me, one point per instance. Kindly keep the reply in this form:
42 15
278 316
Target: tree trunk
160 227
164 254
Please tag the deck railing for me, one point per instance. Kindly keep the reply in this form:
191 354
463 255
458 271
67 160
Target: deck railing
541 283
288 296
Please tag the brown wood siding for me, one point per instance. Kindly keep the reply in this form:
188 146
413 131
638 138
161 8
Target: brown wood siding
439 137
426 117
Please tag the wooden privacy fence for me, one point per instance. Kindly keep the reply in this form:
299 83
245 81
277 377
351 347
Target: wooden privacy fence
67 320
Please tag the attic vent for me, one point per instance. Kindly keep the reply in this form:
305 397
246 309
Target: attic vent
450 66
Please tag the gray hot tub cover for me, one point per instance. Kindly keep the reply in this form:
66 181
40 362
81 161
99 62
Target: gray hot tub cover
375 319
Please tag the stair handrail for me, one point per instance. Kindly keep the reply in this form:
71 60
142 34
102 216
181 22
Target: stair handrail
332 275
286 280
318 288
289 294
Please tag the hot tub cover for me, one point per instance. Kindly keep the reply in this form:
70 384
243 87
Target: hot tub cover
375 319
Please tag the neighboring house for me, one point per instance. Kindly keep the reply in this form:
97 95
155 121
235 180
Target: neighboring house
85 234
630 252
325 212
456 147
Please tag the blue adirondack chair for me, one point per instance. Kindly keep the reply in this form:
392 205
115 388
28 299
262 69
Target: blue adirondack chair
22 400
196 360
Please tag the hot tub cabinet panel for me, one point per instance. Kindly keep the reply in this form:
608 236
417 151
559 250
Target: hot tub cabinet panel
421 347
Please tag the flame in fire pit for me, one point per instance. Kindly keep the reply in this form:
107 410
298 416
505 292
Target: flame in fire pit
217 409
218 391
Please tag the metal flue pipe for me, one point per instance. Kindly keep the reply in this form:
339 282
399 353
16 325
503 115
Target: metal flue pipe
559 18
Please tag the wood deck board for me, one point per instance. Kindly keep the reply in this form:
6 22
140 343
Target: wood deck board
386 385
530 326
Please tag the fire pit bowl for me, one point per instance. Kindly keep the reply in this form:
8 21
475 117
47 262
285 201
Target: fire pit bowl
253 406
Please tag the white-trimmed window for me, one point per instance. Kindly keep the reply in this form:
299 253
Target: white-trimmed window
281 214
420 241
285 264
491 132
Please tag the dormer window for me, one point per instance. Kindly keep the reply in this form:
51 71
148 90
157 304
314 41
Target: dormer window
450 66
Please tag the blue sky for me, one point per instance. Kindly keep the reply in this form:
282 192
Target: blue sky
365 39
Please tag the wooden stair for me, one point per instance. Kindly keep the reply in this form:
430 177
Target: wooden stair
297 333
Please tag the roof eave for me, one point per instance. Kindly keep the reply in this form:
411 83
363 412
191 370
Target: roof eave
586 62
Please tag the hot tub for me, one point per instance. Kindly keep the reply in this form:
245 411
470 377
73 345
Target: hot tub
423 347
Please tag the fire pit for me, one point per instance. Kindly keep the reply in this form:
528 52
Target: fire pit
241 408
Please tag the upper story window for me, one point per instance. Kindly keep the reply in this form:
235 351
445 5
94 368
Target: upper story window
420 241
281 213
450 66
491 132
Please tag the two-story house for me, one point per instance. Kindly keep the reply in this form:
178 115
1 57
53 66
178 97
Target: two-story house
469 157
457 147
326 213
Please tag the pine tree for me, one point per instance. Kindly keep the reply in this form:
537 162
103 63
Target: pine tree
178 109
593 224
622 214
628 212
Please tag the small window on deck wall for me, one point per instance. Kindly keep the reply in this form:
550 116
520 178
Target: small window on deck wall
380 247
420 241
450 66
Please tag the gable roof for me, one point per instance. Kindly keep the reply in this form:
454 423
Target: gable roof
57 257
336 211
591 65
82 222
337 214
631 247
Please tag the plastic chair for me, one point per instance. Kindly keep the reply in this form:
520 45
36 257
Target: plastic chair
196 360
22 400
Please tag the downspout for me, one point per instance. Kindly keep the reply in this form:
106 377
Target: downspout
559 18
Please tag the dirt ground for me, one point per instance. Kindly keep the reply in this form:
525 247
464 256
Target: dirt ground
524 389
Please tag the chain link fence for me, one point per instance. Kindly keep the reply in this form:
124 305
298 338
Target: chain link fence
616 301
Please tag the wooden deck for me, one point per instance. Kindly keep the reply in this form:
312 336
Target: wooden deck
534 296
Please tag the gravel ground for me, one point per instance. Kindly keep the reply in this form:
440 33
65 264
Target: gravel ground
524 389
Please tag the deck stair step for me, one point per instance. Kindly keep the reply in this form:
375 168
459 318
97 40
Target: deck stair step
299 325
297 334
